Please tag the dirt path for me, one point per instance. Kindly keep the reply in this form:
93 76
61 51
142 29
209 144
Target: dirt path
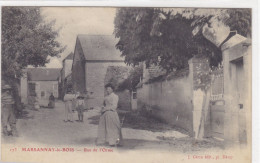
46 126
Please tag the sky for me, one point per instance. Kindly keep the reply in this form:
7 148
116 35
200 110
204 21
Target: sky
72 21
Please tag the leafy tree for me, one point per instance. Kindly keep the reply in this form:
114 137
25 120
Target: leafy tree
170 37
26 40
240 20
133 79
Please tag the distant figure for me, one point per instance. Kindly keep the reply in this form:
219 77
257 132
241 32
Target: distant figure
109 129
51 101
80 107
7 108
68 99
36 103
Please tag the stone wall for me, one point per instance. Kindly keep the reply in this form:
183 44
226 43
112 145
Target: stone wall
180 99
95 77
169 101
78 70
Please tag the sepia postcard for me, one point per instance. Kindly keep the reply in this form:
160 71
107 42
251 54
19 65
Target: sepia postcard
126 84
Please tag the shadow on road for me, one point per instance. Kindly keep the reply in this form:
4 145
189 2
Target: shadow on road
24 115
136 121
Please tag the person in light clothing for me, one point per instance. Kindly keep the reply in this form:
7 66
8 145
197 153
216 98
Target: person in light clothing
109 129
80 106
68 99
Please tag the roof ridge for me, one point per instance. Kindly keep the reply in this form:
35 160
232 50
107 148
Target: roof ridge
94 35
99 47
41 68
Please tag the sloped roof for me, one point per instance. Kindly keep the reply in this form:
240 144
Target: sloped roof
236 39
100 47
43 74
70 57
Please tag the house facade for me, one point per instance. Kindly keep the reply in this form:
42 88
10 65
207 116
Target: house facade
237 63
92 56
40 83
64 73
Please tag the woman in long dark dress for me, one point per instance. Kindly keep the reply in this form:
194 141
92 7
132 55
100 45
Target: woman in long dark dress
109 129
51 101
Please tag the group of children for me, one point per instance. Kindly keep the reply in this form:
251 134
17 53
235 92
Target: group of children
75 102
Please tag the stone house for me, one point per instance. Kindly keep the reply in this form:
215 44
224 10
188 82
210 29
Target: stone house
93 54
40 83
64 73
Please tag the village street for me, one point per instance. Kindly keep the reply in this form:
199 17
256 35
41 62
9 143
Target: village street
166 80
46 126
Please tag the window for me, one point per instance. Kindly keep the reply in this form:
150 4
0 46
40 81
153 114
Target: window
134 94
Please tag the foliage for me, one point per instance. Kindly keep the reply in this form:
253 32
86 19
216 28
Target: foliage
115 75
174 46
235 19
239 20
26 40
205 77
133 79
170 37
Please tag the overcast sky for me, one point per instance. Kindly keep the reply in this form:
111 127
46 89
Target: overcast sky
78 20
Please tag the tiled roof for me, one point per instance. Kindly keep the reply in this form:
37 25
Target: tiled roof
100 47
43 74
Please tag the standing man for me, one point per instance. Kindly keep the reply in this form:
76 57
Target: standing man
8 114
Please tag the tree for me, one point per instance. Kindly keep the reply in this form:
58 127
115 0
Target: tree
240 20
133 79
26 40
170 37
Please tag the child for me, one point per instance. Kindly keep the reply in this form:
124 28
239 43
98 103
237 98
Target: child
80 105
